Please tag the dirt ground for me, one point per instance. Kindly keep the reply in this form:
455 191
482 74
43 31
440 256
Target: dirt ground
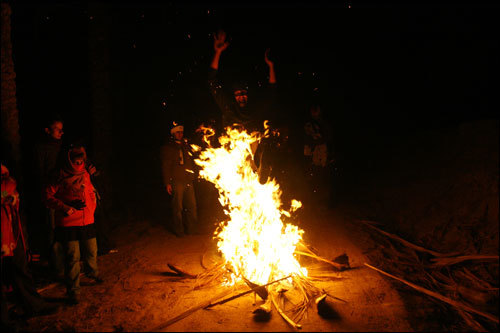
139 295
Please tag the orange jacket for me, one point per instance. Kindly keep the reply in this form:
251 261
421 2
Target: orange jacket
66 187
10 214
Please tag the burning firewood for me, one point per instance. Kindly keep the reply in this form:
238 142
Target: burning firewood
340 263
211 303
256 243
259 290
254 289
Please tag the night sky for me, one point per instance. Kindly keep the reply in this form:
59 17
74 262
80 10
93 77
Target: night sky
382 72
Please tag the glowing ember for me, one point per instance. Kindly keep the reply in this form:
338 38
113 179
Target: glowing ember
254 242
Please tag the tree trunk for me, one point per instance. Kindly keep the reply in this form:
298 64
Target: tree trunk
10 114
100 95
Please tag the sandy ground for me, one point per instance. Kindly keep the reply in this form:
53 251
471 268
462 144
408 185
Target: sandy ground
138 294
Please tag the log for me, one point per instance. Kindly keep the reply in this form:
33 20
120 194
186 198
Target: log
440 297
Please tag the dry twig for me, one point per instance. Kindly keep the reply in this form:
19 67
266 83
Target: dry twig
283 315
254 289
438 262
181 272
312 255
454 303
405 242
190 311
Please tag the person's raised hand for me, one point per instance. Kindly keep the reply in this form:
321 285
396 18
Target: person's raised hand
220 42
92 170
266 58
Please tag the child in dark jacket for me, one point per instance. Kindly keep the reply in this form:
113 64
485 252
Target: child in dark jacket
71 194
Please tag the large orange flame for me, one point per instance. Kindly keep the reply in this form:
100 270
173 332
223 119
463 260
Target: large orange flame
254 242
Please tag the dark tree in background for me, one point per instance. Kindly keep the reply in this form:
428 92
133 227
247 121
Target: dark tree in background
100 92
10 114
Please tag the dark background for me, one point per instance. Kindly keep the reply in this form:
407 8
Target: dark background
383 72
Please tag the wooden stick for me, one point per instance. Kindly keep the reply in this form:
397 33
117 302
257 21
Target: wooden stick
245 292
208 304
181 272
336 265
259 290
413 246
442 259
467 317
455 260
47 287
190 311
282 314
484 284
439 296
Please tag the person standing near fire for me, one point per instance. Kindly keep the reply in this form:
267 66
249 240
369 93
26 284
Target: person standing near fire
178 174
318 155
46 156
16 275
72 196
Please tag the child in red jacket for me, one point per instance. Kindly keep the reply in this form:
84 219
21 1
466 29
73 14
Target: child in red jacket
72 196
16 275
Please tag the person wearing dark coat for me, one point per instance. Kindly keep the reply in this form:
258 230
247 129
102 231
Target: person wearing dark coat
237 108
318 155
240 111
178 174
46 157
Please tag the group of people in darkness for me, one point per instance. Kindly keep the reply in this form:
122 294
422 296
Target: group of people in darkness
62 211
272 156
65 199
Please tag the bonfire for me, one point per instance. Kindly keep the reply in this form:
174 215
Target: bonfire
257 247
259 251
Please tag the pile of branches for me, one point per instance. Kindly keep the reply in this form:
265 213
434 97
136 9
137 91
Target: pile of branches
291 296
466 282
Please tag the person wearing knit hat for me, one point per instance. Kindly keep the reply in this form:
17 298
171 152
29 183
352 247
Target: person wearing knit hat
72 196
178 175
177 128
